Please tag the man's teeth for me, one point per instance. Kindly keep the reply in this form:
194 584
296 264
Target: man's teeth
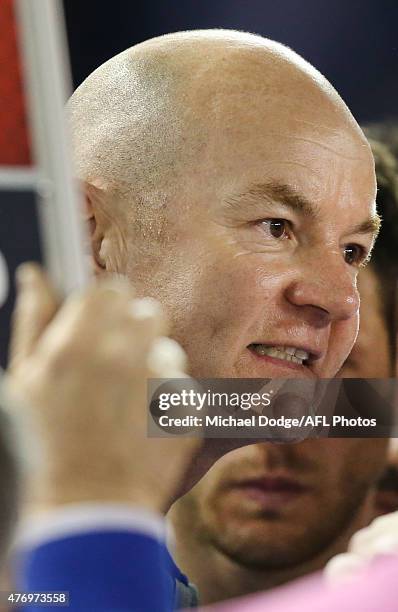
288 353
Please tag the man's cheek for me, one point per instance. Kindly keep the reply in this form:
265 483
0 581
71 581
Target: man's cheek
352 332
343 338
250 297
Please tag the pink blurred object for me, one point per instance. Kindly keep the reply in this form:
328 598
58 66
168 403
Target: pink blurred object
373 590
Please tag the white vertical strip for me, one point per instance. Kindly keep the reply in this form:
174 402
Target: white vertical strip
44 51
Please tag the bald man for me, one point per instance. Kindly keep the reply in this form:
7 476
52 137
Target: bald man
225 177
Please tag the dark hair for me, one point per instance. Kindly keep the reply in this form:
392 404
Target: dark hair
383 138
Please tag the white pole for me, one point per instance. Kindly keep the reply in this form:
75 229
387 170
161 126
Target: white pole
47 76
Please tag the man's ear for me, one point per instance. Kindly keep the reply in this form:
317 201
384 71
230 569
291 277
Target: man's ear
96 225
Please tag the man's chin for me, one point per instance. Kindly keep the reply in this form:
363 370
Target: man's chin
259 551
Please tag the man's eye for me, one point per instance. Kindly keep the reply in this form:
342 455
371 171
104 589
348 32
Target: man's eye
354 254
276 227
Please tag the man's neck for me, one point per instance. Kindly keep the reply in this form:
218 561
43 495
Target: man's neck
218 577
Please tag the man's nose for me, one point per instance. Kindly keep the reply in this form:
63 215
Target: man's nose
325 293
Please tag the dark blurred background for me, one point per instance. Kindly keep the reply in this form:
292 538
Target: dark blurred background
353 42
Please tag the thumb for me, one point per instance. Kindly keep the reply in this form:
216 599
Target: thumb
35 306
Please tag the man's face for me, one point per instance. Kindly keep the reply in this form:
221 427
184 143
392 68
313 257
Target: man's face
275 506
265 237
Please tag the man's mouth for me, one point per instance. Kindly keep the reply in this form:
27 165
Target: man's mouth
272 492
284 353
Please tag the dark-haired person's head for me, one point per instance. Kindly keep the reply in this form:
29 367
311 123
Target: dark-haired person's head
379 307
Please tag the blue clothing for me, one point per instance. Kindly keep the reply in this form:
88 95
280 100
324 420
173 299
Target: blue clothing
105 571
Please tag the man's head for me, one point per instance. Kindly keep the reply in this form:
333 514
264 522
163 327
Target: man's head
227 178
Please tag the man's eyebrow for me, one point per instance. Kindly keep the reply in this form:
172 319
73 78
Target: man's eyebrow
370 226
275 192
285 195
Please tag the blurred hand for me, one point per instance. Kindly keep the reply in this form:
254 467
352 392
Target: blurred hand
378 539
78 373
